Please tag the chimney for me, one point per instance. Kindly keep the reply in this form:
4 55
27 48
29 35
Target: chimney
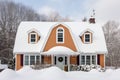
92 20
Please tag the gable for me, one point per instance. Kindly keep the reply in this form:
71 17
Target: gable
68 40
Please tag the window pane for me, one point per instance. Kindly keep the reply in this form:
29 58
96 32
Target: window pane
26 60
93 59
32 35
60 30
83 60
87 60
37 59
60 35
32 40
32 60
87 36
60 39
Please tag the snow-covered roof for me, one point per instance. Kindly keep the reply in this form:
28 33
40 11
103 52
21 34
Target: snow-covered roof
58 50
77 28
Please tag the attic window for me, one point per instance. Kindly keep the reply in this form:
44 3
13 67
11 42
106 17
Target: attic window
60 35
87 37
33 37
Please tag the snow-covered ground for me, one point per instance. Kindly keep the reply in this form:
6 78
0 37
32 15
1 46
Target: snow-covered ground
54 73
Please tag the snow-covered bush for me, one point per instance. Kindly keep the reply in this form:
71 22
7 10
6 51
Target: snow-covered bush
100 69
86 68
73 67
40 66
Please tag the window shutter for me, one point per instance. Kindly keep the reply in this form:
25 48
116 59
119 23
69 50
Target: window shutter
21 60
65 60
55 60
98 59
78 60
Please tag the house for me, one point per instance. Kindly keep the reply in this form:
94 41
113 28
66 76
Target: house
59 43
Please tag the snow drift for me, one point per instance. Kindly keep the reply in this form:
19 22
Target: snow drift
54 73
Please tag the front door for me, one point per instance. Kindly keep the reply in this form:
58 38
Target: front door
60 61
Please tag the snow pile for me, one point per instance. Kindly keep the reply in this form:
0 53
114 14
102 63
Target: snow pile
7 74
3 66
54 73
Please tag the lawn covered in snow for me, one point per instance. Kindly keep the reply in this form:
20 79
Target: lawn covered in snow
54 73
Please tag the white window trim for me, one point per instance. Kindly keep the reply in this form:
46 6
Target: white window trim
57 35
90 58
35 38
29 58
90 38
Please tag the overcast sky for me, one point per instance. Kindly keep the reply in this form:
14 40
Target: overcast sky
76 9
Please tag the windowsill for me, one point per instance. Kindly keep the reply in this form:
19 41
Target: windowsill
86 42
60 42
33 42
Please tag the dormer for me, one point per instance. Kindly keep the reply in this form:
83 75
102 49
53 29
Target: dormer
33 36
87 36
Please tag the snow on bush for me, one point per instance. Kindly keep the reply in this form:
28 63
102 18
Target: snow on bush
86 68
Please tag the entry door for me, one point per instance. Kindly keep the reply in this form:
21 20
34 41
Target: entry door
61 60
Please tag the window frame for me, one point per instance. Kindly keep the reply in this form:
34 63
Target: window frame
57 35
29 61
85 59
82 61
85 38
35 37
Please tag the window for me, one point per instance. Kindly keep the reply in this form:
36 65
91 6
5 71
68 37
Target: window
83 60
60 35
37 59
88 59
31 59
26 60
94 59
87 37
33 37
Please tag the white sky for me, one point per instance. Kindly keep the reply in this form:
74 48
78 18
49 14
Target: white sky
77 9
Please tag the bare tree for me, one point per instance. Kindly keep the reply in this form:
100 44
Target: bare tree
11 14
111 31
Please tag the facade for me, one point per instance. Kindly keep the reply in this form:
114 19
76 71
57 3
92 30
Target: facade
59 43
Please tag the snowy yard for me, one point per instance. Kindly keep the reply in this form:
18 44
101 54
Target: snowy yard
54 73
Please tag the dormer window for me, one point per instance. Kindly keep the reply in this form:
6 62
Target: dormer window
60 35
33 37
87 38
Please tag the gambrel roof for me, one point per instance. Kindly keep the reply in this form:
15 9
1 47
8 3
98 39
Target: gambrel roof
44 28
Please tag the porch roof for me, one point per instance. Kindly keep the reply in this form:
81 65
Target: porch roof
60 53
60 50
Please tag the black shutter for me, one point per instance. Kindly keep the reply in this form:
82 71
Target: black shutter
98 59
78 60
65 60
55 60
21 59
42 59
